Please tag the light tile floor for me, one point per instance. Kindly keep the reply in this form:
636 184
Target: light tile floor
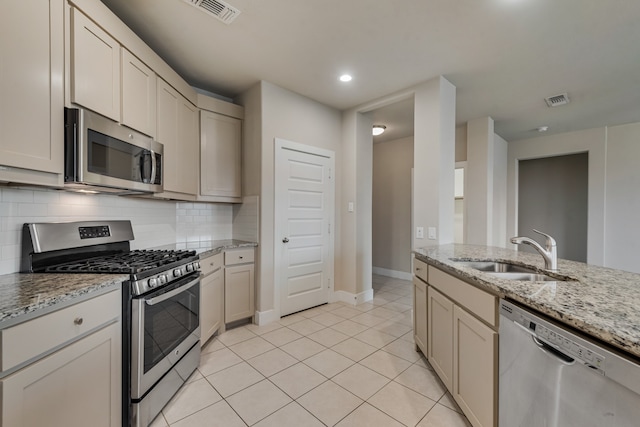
333 365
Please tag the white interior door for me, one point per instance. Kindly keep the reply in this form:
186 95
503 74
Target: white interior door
304 210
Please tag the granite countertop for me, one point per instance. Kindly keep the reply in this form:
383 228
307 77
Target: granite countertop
210 247
601 302
25 296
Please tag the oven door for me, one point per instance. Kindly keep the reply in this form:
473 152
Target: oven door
165 324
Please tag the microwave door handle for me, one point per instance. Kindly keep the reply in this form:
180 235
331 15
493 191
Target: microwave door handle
166 296
153 167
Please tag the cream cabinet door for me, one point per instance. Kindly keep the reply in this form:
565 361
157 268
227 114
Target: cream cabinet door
238 292
76 386
138 94
475 350
177 130
420 314
95 67
440 335
221 155
31 84
211 304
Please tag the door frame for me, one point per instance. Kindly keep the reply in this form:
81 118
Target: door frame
283 144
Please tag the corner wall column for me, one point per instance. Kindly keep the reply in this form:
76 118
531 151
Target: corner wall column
434 161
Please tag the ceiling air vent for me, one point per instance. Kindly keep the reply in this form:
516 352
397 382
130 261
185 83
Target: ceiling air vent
216 8
557 100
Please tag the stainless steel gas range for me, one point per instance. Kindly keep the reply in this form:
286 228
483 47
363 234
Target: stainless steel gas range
160 307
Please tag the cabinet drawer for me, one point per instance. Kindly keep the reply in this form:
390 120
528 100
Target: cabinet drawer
238 256
480 303
210 264
420 269
34 337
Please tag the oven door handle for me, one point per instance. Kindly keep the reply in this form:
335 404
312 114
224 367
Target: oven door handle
170 294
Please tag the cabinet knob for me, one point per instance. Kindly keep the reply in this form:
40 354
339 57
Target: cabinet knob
78 321
240 257
285 240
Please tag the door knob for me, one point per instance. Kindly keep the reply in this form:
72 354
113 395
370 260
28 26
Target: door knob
285 240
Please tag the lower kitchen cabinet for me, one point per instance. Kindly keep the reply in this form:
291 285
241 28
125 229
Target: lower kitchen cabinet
211 297
238 285
420 314
475 365
238 292
461 322
440 333
77 385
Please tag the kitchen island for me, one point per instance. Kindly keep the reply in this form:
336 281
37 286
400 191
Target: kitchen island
601 302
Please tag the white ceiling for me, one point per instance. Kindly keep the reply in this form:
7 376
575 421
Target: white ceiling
504 56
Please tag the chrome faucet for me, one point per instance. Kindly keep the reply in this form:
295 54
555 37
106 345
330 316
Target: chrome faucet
549 252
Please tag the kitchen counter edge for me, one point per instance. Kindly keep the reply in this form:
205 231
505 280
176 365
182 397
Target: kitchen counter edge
597 301
25 296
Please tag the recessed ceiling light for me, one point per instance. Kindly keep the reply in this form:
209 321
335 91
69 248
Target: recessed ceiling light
378 129
543 128
345 78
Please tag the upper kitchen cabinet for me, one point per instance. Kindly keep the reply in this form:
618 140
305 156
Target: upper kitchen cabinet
220 151
138 94
94 67
31 83
177 130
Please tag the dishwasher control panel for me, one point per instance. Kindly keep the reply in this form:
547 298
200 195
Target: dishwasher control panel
562 340
586 356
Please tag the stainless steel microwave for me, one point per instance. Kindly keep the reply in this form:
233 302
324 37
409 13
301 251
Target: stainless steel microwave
104 156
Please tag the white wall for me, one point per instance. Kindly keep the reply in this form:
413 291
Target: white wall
273 112
155 222
392 163
434 160
622 232
593 141
500 161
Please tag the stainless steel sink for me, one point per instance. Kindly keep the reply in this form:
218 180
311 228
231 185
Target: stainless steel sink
526 277
505 270
497 267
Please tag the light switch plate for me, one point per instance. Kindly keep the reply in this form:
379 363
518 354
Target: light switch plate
432 233
350 207
419 232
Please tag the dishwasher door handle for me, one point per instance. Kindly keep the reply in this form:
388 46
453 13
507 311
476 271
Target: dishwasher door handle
553 352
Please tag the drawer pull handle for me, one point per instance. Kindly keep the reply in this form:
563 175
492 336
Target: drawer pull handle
418 269
240 257
78 321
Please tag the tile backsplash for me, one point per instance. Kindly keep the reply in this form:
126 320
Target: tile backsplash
155 222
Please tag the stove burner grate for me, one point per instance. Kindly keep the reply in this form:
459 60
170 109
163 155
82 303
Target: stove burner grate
132 262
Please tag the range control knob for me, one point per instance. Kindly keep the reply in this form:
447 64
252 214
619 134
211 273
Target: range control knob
177 272
162 278
196 265
189 268
152 282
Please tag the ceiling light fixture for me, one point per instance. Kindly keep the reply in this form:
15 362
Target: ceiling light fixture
378 129
345 78
543 128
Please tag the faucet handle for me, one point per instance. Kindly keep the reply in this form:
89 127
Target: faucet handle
550 241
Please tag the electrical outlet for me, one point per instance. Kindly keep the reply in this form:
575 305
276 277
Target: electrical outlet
419 232
432 233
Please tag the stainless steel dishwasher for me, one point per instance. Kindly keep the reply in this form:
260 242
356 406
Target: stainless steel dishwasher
551 377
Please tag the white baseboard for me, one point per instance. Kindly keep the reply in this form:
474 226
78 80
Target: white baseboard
353 299
265 317
392 273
